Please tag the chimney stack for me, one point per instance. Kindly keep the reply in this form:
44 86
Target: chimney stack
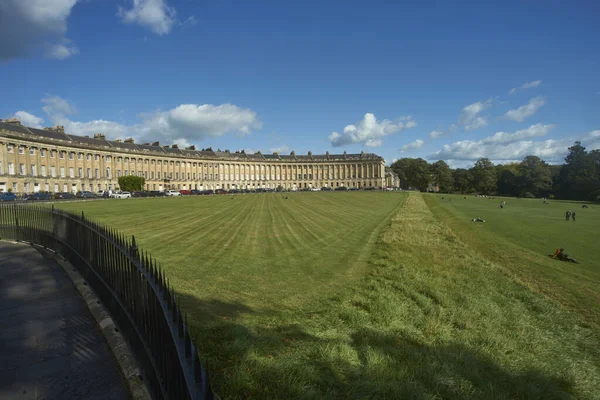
99 136
174 146
13 121
59 129
129 140
192 147
155 143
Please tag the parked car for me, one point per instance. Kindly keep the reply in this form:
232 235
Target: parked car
353 189
316 189
234 191
139 193
39 196
156 193
341 188
121 195
7 196
185 192
64 195
326 189
370 188
86 195
195 192
172 193
221 191
208 191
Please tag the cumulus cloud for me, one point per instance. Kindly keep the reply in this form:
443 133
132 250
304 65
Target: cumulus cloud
281 149
526 110
156 15
506 146
436 134
370 132
57 106
417 144
28 119
470 118
183 124
28 25
526 85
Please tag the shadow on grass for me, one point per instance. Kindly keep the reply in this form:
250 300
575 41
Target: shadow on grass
284 361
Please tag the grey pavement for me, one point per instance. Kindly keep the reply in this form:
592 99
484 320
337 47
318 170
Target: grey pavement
50 344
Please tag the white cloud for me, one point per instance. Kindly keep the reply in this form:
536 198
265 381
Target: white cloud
417 144
506 146
60 51
469 117
436 134
526 110
28 119
57 106
156 15
281 149
184 124
370 132
28 25
189 21
526 85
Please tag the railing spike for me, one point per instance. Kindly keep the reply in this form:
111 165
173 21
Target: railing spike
82 216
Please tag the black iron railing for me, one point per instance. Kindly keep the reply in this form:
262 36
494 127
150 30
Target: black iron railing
130 284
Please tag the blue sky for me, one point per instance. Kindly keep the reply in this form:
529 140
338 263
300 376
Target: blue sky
422 79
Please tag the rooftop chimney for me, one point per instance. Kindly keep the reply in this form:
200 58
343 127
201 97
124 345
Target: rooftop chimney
119 141
99 136
59 128
155 143
174 146
192 147
327 154
13 121
129 140
344 154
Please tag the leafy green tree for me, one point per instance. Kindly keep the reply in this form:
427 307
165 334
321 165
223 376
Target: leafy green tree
463 180
401 167
578 174
131 183
508 179
484 176
535 177
442 176
419 174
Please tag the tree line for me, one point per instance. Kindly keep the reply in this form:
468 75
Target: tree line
577 179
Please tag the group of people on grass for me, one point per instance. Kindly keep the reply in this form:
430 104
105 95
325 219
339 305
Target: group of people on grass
570 214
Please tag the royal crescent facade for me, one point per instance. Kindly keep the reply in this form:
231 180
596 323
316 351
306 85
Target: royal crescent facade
52 160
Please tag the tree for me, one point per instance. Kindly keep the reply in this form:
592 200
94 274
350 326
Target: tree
442 176
484 176
401 168
420 174
508 179
463 180
535 177
578 175
131 183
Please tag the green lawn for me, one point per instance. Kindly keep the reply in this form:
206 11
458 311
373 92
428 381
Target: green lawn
376 295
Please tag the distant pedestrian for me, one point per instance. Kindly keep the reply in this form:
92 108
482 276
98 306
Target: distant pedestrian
568 215
573 215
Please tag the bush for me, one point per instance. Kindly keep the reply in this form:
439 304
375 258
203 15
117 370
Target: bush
528 195
552 197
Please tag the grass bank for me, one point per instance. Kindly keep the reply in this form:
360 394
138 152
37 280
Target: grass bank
427 316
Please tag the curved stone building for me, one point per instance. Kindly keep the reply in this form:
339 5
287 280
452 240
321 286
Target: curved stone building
49 159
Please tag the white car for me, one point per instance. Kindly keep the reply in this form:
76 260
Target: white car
121 195
172 193
316 189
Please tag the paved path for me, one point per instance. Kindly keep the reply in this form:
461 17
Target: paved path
50 344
